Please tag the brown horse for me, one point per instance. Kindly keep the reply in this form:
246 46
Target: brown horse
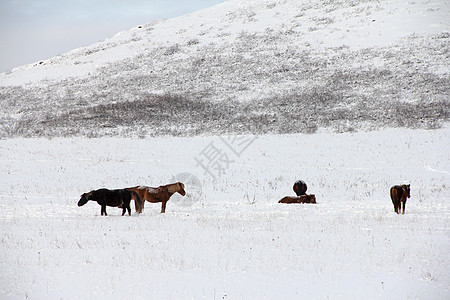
300 199
159 194
399 195
114 198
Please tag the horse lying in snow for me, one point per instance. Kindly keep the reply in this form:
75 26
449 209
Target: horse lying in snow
299 199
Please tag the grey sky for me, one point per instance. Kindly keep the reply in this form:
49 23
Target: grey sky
31 30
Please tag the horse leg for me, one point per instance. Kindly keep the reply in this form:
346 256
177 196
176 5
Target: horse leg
396 207
404 206
138 207
142 203
124 209
129 209
163 207
104 210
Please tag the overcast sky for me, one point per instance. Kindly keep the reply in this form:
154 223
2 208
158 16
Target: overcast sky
32 30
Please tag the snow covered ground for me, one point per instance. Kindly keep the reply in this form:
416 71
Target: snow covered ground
232 241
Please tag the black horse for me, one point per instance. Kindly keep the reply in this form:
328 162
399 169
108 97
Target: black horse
300 187
114 198
399 195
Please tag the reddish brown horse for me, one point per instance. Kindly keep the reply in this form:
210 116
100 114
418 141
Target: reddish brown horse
159 194
399 195
300 199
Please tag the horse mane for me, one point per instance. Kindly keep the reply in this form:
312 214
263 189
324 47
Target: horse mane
88 194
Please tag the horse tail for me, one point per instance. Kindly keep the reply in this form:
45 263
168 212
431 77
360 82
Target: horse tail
393 193
137 201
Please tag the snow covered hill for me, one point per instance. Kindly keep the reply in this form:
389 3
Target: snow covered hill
293 24
245 67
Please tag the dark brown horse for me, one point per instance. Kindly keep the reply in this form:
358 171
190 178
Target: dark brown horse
299 199
159 194
300 187
114 198
399 195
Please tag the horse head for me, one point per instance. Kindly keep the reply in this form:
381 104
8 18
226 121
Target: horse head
407 189
175 188
300 187
180 188
84 198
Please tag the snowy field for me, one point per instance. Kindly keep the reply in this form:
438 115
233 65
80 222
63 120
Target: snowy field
229 238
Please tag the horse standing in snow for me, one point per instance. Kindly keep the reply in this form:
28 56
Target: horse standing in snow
399 195
114 198
160 194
